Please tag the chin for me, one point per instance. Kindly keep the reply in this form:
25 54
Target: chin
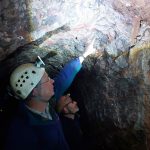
53 93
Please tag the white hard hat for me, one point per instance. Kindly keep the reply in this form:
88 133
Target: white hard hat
24 78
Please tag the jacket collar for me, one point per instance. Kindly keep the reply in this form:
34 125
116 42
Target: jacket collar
34 118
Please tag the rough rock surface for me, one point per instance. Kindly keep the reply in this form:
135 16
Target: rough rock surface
112 88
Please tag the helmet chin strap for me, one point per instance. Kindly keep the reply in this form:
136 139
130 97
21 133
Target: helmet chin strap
42 100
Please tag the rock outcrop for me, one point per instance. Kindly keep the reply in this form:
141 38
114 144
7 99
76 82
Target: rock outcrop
112 88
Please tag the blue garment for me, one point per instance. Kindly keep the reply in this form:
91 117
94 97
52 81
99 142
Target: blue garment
72 132
29 131
64 79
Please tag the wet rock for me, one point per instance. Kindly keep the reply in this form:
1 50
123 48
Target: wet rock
122 61
112 87
5 4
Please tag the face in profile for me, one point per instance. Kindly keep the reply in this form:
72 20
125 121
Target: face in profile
45 88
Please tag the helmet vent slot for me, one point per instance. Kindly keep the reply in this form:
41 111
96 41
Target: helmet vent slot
18 91
34 72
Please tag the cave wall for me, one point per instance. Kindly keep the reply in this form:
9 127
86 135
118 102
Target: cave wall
116 100
112 88
118 24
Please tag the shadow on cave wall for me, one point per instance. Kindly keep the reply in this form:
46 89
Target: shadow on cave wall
109 108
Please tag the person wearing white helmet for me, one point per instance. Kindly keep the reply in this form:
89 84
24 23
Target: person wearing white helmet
68 113
36 125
